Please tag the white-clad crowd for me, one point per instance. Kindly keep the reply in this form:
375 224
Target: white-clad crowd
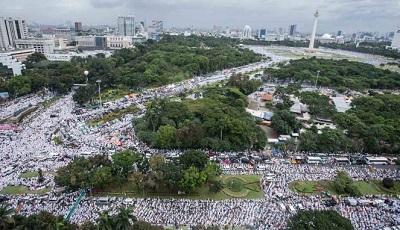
33 148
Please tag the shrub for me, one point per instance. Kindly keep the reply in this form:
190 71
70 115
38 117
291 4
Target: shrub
388 183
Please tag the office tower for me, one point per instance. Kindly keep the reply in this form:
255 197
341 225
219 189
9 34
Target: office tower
10 30
156 29
247 31
292 30
126 25
262 34
78 26
314 31
396 40
339 33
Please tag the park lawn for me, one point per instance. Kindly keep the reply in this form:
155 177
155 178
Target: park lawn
114 94
113 115
372 187
30 174
19 190
251 187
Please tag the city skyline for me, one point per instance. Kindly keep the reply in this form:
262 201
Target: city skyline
347 15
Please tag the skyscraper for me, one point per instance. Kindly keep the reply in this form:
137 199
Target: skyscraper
262 34
78 26
156 29
126 25
314 31
339 33
292 30
247 31
396 40
10 30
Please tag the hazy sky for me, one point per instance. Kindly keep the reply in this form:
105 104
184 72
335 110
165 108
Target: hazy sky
347 15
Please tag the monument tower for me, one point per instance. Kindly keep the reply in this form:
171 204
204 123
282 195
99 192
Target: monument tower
314 31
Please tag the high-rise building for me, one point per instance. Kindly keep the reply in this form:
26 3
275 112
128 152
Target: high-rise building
247 31
11 29
156 29
78 26
292 30
41 45
396 40
126 25
262 34
339 33
314 31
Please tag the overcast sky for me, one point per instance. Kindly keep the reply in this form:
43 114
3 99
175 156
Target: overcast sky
347 15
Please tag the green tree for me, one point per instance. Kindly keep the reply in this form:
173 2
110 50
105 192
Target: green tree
105 221
102 176
284 122
124 219
166 136
191 179
315 219
197 159
6 219
123 163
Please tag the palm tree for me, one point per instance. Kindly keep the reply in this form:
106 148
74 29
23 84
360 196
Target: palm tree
124 219
105 221
6 218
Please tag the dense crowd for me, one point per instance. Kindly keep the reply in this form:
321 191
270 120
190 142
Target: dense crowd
33 148
271 212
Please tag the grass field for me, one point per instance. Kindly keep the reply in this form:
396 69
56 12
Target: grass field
241 187
365 187
28 175
114 94
113 115
18 190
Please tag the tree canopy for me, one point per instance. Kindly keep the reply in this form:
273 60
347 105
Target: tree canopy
315 219
335 73
217 121
175 58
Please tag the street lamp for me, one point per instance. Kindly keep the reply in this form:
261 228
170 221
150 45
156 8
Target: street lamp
86 73
316 80
98 82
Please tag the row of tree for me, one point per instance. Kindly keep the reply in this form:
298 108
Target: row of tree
189 172
335 73
368 48
150 64
123 220
373 123
216 121
98 171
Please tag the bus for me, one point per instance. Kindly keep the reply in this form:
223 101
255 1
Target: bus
376 161
342 160
314 160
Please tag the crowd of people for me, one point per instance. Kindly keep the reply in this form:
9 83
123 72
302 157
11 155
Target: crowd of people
33 147
270 212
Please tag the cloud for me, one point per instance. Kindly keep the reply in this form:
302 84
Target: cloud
348 15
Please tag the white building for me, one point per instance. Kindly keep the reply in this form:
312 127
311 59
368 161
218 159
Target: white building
11 29
60 43
119 42
104 42
68 56
396 40
126 25
41 45
247 32
156 29
85 41
326 38
13 59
